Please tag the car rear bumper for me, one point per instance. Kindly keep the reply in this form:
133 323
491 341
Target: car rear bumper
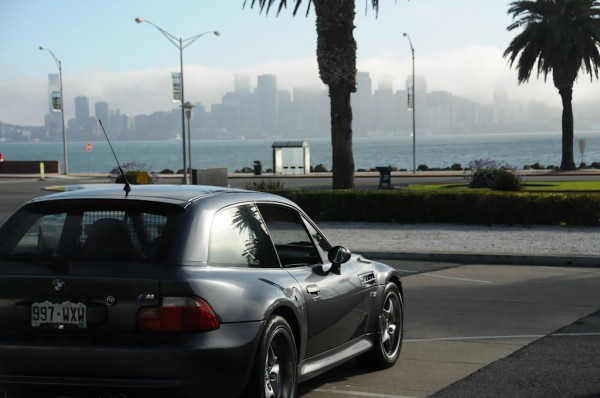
216 363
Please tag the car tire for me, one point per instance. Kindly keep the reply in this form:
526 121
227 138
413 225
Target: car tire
274 374
389 334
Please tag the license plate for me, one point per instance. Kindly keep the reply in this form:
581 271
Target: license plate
66 313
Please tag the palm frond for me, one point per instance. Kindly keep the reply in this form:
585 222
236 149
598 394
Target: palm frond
265 5
557 35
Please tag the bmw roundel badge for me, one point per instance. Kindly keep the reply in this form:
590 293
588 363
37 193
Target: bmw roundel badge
58 285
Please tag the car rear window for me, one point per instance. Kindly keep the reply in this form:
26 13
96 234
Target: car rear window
91 230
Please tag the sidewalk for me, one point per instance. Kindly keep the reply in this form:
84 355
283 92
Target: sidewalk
537 245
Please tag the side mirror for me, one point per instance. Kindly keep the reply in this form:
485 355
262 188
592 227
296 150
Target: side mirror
338 255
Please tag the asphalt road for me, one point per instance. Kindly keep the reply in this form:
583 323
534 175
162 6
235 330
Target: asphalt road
486 331
15 191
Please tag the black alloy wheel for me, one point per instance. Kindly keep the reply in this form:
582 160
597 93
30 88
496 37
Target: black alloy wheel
277 361
388 340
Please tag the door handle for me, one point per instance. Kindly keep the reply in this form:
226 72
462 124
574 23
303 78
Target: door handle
313 289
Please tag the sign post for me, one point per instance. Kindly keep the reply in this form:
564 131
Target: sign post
89 150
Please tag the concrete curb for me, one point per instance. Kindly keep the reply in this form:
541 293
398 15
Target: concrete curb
492 259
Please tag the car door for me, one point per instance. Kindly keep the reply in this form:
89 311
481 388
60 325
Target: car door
334 297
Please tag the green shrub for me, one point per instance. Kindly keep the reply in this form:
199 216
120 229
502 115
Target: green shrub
135 177
265 185
135 172
461 207
504 180
494 175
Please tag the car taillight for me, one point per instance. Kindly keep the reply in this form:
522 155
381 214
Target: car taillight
178 314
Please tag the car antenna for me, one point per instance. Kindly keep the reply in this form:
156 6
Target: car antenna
127 187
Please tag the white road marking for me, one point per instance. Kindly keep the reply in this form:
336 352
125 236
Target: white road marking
516 336
456 279
581 271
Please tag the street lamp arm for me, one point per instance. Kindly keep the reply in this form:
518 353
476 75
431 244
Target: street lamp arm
51 53
410 43
178 42
166 34
192 39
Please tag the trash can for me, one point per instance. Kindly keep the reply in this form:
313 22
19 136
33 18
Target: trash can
385 176
257 167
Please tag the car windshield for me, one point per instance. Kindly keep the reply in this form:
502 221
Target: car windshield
89 230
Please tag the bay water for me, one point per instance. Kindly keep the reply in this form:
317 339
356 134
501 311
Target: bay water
442 151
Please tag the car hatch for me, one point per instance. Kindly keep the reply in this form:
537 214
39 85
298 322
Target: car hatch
87 297
80 269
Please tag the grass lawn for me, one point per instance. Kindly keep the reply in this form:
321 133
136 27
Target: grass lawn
547 186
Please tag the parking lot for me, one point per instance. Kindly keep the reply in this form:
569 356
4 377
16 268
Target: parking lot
461 319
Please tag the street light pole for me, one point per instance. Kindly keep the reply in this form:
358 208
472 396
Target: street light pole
188 113
414 110
62 108
181 44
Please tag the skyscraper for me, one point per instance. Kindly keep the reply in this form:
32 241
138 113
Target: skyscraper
82 108
102 112
267 91
384 106
362 104
241 84
82 127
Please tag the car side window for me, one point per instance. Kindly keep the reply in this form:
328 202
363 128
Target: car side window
292 241
322 245
238 238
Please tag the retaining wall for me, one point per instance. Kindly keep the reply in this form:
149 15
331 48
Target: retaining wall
28 166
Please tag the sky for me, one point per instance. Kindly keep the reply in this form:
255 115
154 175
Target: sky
106 56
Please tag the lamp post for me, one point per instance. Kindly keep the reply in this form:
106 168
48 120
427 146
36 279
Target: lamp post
181 44
62 107
414 110
188 113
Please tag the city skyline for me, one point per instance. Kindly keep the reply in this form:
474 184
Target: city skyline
258 108
108 57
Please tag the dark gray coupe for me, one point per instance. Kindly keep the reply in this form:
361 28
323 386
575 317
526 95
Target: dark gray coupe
183 291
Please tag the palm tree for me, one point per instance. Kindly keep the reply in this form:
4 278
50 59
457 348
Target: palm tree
336 56
562 37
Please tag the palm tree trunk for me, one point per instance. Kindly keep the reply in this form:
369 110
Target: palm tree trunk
336 56
567 162
341 137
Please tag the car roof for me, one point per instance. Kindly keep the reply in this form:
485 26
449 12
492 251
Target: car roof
180 195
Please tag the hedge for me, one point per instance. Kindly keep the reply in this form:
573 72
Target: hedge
411 207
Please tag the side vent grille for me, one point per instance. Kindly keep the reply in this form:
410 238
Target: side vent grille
367 279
